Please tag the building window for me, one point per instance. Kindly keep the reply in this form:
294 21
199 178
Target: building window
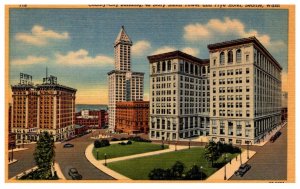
222 58
238 56
214 62
247 58
186 69
164 66
169 65
230 57
247 70
158 67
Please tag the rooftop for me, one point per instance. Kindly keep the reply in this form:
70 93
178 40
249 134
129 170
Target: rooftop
241 41
175 54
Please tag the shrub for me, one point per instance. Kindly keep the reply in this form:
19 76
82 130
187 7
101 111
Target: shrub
129 142
139 139
101 143
122 143
123 138
114 139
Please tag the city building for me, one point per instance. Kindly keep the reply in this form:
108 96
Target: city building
94 119
132 117
123 84
179 96
45 107
284 106
245 91
80 130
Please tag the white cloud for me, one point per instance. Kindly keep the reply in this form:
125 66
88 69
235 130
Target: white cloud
191 51
216 29
39 36
30 60
164 49
140 47
81 57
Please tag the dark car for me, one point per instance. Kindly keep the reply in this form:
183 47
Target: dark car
275 136
242 170
73 173
68 145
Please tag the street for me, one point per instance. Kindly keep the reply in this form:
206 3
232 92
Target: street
269 162
65 157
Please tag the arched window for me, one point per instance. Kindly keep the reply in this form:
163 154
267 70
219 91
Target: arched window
230 57
203 69
169 65
222 58
191 68
238 56
196 70
164 66
186 69
158 66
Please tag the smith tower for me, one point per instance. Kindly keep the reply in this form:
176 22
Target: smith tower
123 84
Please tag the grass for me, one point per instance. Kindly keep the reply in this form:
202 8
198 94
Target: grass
117 150
139 168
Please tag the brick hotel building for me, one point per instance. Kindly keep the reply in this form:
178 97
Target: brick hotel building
45 107
245 91
179 96
132 117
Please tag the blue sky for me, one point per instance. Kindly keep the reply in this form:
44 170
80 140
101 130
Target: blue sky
77 44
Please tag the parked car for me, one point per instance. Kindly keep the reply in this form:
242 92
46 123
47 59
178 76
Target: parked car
73 173
275 136
242 169
68 145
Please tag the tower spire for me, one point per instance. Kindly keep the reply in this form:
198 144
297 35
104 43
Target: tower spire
123 37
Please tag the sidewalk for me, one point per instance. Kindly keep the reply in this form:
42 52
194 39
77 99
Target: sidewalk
268 137
100 164
18 149
230 168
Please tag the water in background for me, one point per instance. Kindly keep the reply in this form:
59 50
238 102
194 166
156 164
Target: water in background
80 107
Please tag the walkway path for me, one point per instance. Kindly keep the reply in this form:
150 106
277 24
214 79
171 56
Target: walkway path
230 168
100 164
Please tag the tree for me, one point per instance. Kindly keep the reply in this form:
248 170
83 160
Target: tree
177 170
211 152
44 155
157 174
195 174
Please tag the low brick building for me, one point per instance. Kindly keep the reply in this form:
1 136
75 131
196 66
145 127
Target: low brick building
91 118
132 117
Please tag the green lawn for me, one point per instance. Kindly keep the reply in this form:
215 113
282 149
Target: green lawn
139 168
117 150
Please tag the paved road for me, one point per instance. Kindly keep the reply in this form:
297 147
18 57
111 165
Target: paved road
269 162
25 161
75 157
65 157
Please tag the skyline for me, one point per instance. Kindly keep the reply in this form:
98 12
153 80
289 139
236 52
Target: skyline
79 42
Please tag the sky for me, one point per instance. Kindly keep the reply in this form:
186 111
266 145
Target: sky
76 45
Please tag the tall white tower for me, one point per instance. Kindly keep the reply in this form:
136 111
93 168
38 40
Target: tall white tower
123 84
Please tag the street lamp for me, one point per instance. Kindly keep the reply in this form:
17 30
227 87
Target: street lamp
189 143
241 156
176 146
201 172
248 148
225 178
105 160
162 144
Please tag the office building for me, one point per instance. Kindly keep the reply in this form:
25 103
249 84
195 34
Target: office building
245 91
179 96
123 84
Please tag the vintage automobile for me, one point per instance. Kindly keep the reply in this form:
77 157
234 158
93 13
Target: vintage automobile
73 173
242 170
68 145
